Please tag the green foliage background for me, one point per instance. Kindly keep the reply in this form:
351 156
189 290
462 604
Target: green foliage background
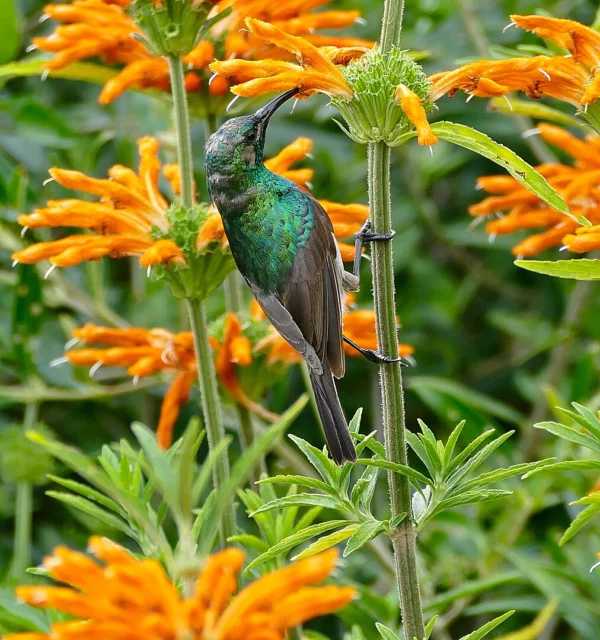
484 331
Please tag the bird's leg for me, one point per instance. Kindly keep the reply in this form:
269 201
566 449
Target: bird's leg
371 355
363 236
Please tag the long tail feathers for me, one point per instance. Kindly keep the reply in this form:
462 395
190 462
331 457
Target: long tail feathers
337 434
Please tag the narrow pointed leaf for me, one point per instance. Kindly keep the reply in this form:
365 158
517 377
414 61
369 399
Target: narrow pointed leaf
571 434
91 509
490 626
395 467
295 539
365 533
386 633
579 522
326 542
520 170
576 269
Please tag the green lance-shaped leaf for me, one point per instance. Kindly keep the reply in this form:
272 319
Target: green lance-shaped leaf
593 502
571 434
490 626
520 170
567 465
585 417
326 542
386 633
584 269
365 533
295 539
93 510
402 469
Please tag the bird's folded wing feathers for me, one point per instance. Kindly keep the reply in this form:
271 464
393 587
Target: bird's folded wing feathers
307 311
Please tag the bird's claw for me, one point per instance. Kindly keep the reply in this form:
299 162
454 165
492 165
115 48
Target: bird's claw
372 355
366 235
379 358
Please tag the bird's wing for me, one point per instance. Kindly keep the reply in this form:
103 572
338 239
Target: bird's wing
307 310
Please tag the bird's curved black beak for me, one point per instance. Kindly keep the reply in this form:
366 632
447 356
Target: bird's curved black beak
264 114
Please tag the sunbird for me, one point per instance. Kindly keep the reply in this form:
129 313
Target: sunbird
282 242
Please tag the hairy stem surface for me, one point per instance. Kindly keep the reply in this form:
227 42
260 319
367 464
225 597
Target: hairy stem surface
182 130
404 538
211 406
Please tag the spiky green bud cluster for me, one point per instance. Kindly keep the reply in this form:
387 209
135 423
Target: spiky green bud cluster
22 460
203 271
373 115
173 27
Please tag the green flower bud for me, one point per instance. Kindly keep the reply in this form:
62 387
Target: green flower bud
199 233
173 27
22 460
373 114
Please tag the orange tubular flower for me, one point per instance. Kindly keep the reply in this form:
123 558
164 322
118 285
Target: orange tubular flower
316 71
102 29
412 106
295 18
128 599
236 351
129 212
577 184
573 80
145 352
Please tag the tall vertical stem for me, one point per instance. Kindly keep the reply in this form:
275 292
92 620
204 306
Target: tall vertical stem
182 130
211 407
404 538
206 370
23 510
390 375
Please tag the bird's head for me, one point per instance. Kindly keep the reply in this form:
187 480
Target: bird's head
240 142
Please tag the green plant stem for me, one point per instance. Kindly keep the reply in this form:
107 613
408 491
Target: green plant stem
24 510
211 406
233 292
404 538
391 27
182 130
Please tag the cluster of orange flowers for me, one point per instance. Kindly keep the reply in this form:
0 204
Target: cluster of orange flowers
579 185
124 220
144 352
132 209
103 29
574 79
317 71
129 599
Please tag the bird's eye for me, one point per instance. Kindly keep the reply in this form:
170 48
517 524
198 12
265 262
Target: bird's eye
251 137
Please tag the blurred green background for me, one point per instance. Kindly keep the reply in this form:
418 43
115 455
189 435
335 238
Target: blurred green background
493 344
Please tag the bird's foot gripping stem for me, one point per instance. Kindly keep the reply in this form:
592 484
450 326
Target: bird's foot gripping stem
364 236
371 355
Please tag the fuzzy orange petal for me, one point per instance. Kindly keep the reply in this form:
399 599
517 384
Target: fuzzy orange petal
141 74
176 396
412 106
162 252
